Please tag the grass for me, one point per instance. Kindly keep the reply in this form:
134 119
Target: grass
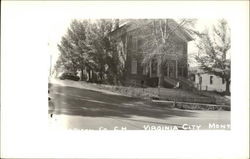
177 95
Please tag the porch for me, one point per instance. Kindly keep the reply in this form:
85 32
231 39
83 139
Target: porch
173 71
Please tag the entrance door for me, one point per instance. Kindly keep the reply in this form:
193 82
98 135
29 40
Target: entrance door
169 69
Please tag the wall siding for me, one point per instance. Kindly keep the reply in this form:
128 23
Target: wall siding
216 86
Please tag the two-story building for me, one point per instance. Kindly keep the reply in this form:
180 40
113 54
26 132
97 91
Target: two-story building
135 37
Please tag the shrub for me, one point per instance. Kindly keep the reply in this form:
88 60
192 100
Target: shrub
69 76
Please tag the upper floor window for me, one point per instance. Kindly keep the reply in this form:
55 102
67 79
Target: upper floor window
134 43
179 47
144 70
134 67
140 44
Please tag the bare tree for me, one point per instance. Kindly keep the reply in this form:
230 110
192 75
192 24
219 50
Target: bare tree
161 43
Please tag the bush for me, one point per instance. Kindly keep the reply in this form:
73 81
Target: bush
69 76
84 77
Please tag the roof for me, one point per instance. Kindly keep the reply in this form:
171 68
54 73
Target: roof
199 70
195 69
172 24
179 31
121 28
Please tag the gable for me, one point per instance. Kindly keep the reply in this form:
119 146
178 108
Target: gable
179 32
133 25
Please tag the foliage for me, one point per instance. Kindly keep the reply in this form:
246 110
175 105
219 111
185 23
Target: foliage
214 49
69 76
160 44
87 48
73 47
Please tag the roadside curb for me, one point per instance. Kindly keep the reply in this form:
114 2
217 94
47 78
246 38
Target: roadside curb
191 106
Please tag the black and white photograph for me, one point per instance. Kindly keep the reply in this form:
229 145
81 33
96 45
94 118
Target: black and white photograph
125 79
141 74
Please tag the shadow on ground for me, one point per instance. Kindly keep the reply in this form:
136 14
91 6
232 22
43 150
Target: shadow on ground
90 103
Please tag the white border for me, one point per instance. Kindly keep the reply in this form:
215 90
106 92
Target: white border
25 28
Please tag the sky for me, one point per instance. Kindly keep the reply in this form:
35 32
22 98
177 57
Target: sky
60 26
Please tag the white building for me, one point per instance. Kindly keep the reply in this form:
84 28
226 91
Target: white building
207 81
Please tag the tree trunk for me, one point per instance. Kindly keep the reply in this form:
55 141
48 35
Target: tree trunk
89 75
101 76
160 81
227 86
82 74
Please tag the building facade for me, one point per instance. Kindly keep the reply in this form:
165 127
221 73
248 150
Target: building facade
207 81
143 66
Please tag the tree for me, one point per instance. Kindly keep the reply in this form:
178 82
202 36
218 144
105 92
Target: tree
74 48
161 43
66 58
103 50
87 47
213 52
115 64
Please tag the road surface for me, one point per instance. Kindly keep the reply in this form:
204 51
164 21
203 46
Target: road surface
85 109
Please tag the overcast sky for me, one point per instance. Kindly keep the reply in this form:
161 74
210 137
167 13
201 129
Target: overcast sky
59 28
49 21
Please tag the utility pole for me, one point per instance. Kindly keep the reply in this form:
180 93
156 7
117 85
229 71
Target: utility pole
50 58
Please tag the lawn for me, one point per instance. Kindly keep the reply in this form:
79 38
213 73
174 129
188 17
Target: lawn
178 95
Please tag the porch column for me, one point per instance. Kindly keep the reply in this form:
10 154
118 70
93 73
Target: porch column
150 69
168 69
176 68
159 67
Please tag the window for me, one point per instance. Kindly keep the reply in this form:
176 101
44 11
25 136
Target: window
140 42
134 67
130 42
134 43
179 47
211 79
223 80
154 66
139 45
200 80
144 71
